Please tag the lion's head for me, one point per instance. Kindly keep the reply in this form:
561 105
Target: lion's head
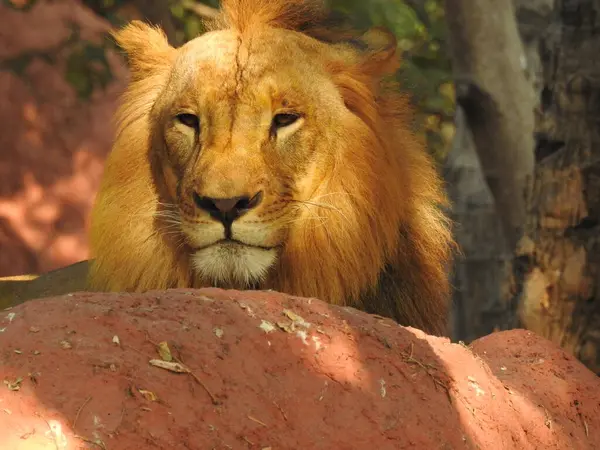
261 156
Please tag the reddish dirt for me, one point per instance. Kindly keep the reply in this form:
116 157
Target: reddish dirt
352 381
53 144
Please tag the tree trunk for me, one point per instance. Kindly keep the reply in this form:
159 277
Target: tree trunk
497 99
552 286
491 163
555 272
480 272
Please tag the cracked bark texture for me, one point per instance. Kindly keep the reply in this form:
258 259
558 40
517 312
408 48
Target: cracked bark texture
557 265
550 284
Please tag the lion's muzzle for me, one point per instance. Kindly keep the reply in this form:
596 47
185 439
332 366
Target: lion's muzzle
226 210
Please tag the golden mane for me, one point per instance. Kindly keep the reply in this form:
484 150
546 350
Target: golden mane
243 15
386 241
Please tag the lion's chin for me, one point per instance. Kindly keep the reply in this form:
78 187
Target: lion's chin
233 265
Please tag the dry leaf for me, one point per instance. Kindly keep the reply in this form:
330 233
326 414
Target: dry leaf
164 351
317 342
382 389
266 326
14 385
172 366
296 318
247 309
254 419
148 395
287 327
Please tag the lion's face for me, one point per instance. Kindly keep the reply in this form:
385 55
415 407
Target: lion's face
239 145
256 156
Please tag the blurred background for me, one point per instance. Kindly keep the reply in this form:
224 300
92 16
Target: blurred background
507 95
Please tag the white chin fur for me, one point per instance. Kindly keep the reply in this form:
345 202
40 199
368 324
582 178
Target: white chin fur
233 265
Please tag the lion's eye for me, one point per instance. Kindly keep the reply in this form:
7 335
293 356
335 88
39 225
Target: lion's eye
284 119
189 120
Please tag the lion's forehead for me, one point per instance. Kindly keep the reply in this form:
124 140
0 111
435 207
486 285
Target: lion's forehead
224 64
210 58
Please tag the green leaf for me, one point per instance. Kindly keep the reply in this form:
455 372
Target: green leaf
87 69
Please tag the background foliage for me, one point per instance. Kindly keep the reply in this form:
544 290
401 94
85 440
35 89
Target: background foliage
425 71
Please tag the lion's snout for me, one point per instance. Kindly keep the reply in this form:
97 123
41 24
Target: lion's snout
226 210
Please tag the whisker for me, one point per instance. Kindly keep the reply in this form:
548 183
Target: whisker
156 214
167 205
337 193
171 223
316 222
323 205
168 216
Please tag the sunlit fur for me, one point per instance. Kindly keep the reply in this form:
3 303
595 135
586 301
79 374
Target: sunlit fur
351 212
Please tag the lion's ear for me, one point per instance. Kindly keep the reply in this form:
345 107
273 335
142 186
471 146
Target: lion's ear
358 77
379 52
146 46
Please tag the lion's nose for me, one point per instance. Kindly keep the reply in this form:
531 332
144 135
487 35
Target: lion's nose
227 210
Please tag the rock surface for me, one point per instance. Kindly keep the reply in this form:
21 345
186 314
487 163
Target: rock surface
274 371
53 141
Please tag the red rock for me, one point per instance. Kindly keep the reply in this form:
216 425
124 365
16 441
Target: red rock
354 381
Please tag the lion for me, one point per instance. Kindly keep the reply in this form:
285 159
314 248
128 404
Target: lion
271 153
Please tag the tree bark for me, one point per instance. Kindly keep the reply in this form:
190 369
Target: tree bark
497 99
480 272
556 269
